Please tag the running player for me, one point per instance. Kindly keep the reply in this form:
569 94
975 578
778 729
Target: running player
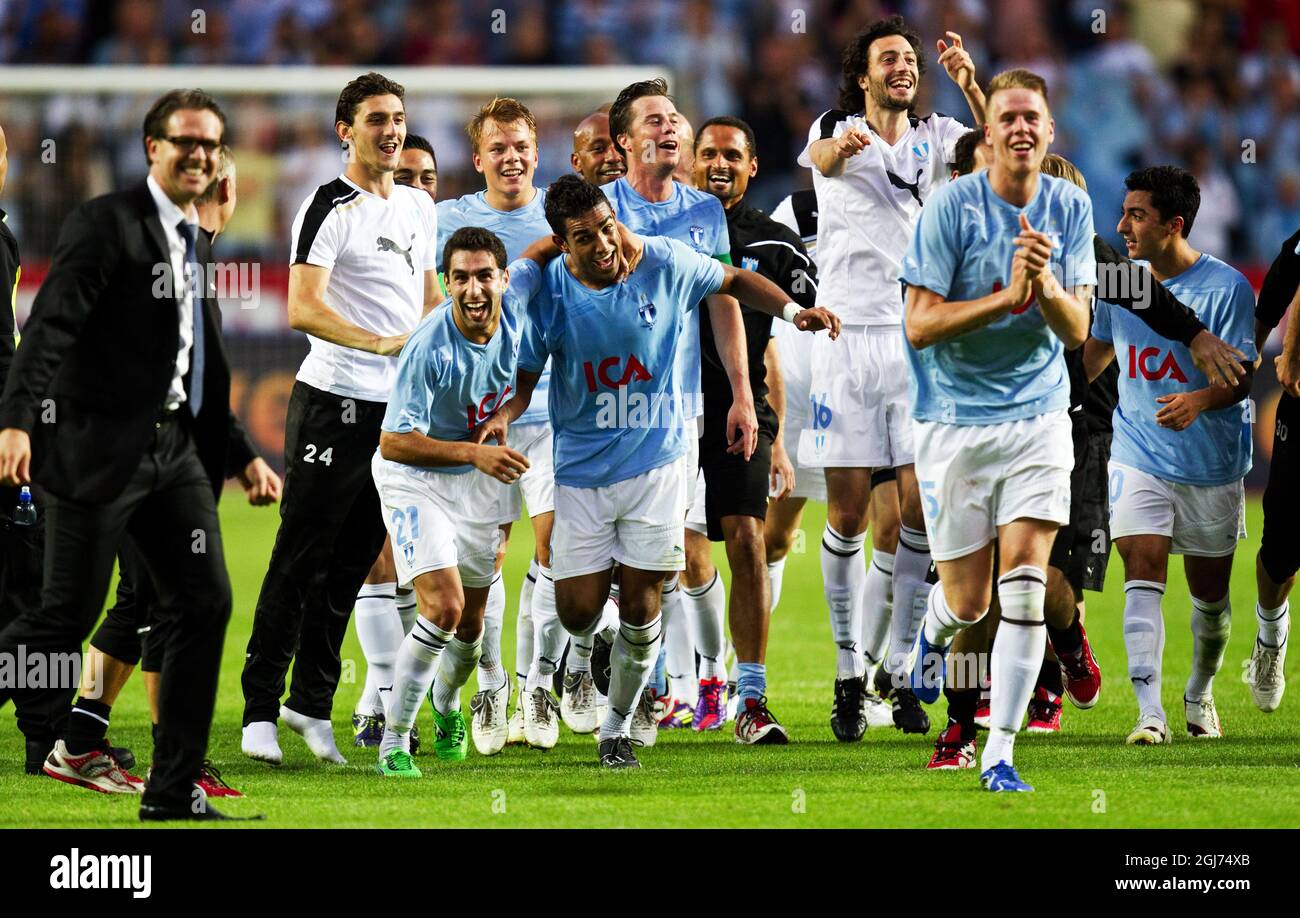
1279 549
874 163
503 140
735 501
986 321
645 126
443 494
363 273
619 438
1173 492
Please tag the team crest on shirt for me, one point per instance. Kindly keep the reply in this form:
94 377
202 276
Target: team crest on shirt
921 150
697 235
749 263
648 312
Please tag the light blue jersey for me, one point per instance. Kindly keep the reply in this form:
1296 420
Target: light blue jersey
961 249
1216 448
617 402
690 216
446 384
517 229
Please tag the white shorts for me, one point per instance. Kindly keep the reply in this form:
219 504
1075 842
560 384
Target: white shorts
795 351
861 410
536 487
694 477
975 478
636 522
1205 520
439 520
696 519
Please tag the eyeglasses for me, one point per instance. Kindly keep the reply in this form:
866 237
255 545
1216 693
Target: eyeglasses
187 144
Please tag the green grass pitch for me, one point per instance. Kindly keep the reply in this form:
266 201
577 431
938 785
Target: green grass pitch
1085 777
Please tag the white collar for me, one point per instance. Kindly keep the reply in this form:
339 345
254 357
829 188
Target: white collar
168 212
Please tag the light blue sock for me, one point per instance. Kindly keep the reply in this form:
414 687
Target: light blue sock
659 678
752 681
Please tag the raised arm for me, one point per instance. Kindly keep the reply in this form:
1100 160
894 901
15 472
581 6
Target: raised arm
308 312
957 61
759 293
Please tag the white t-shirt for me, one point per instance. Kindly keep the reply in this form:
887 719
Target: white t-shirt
867 213
377 252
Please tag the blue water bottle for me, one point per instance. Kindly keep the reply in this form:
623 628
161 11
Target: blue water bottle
25 512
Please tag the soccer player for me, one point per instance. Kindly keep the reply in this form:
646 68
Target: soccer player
620 443
363 273
444 494
986 321
594 155
874 163
418 166
1172 491
644 124
736 489
1279 550
685 168
503 141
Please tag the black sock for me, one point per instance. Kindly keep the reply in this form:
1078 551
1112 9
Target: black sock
87 726
1049 677
154 734
1068 641
961 709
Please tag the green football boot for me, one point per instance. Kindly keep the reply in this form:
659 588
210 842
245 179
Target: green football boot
397 764
450 737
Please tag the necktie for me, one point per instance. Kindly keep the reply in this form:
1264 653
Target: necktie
189 233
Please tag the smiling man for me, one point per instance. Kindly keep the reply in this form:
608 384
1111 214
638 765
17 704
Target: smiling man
128 364
362 275
594 155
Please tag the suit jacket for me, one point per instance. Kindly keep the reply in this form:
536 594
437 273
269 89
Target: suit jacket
98 353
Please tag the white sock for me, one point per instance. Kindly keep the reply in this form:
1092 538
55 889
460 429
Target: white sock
877 601
1016 660
453 672
580 645
941 623
911 564
407 609
679 642
1211 626
380 633
1144 639
1273 624
491 674
417 662
775 576
524 632
632 660
708 616
844 579
549 634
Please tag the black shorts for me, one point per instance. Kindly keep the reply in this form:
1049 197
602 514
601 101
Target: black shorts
882 476
732 486
1279 547
1082 546
132 631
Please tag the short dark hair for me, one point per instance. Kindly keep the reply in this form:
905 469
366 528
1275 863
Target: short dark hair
571 196
416 142
362 88
474 239
225 160
963 152
155 121
620 113
856 59
751 144
1174 192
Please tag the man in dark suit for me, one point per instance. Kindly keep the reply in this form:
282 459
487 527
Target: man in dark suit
117 360
130 633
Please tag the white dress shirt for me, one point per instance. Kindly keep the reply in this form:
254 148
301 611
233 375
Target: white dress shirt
170 215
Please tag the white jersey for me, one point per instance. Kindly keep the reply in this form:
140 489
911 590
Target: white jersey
866 215
376 251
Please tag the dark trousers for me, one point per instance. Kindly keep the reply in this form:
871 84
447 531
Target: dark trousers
1279 546
331 531
168 512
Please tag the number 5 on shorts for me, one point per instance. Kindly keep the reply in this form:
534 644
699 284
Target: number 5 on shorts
931 502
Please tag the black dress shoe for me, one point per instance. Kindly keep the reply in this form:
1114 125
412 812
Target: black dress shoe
125 757
150 812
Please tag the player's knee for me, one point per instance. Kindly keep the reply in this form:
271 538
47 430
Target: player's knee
745 546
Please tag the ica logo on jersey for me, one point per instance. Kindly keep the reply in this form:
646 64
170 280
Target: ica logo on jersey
1147 362
486 407
614 372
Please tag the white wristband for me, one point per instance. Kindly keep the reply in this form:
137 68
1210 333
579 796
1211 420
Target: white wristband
791 310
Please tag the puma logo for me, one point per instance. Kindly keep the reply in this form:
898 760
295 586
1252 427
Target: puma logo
388 245
914 188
